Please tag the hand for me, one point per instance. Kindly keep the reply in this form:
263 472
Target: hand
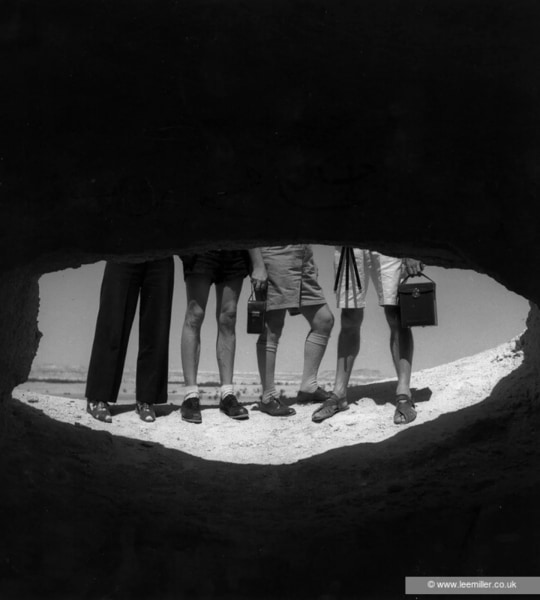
259 278
412 267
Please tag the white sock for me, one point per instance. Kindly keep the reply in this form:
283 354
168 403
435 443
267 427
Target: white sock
226 390
270 356
191 391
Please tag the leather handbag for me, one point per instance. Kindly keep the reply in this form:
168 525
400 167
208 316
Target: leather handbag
256 312
417 302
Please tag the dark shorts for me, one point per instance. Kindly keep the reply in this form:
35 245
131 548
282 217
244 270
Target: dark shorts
218 265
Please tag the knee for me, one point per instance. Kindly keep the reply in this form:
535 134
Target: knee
273 334
227 320
324 322
393 318
351 320
275 321
194 316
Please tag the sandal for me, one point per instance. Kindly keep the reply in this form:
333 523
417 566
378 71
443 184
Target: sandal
405 412
329 408
99 410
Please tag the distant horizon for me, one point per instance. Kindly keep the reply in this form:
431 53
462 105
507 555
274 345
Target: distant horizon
475 313
51 371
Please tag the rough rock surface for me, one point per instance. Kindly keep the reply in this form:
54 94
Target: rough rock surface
135 128
286 508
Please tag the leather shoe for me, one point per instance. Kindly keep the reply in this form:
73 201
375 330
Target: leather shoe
191 410
230 406
146 412
276 408
99 410
319 395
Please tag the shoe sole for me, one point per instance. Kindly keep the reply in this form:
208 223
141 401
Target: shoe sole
105 420
237 417
151 420
329 416
273 415
195 421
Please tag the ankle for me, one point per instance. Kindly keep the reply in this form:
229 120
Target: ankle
309 387
226 390
268 395
191 391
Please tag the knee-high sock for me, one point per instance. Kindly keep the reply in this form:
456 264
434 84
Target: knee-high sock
261 359
314 349
269 385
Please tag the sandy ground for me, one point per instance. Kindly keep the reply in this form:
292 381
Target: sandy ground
274 509
266 440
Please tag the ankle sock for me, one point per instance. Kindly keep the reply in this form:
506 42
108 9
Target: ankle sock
191 391
226 390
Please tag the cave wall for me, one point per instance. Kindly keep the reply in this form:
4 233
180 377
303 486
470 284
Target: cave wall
132 125
19 302
147 126
143 127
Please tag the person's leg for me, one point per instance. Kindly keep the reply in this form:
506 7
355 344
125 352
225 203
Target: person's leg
271 403
227 294
118 302
197 291
321 321
350 286
275 319
154 328
261 357
402 348
348 348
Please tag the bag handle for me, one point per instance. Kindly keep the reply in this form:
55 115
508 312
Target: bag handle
253 295
417 275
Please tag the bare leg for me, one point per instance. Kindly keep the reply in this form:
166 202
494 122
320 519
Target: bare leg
348 348
321 321
197 290
401 347
227 294
261 357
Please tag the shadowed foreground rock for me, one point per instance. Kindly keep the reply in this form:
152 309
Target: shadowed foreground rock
136 128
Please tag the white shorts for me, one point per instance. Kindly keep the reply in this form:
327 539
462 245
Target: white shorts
385 271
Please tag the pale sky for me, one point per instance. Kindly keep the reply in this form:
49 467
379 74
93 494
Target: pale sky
474 313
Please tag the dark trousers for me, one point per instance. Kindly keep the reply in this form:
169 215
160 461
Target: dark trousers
122 285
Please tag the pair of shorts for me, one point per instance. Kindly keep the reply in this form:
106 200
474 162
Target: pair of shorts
385 271
218 265
292 278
